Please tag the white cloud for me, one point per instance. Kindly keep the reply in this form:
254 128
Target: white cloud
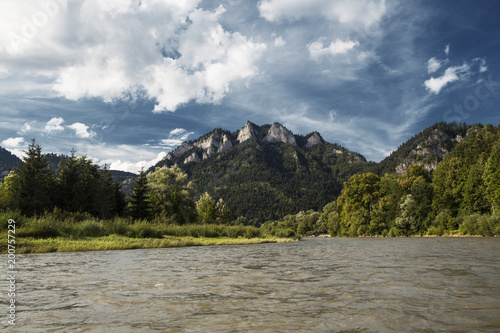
279 42
53 125
175 138
447 49
27 127
124 157
81 130
317 49
180 134
482 67
13 142
134 167
124 48
15 146
451 74
345 11
434 64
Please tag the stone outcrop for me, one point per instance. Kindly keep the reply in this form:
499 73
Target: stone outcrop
192 158
247 132
278 133
217 142
313 140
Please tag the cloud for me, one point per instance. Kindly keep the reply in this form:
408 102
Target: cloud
317 50
452 74
13 142
124 157
27 127
15 145
279 42
345 11
53 125
433 64
82 130
134 167
175 138
447 49
482 67
169 51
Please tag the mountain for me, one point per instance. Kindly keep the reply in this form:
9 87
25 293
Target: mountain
8 162
428 147
266 172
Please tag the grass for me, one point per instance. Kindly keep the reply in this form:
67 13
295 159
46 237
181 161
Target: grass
119 242
60 232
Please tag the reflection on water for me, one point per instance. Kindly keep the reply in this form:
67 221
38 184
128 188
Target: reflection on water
316 285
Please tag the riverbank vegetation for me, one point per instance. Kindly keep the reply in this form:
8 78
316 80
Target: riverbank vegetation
461 197
79 202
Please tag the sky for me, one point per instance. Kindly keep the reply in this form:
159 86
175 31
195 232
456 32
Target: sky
126 81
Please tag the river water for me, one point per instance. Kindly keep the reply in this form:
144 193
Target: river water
315 285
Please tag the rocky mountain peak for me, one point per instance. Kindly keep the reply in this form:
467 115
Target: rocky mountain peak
314 139
247 132
279 133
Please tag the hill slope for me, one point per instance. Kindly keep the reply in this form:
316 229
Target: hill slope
8 162
266 172
428 147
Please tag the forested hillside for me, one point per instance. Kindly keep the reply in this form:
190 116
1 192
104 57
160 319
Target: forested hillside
266 172
462 196
428 148
8 162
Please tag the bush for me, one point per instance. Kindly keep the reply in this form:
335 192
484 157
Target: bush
5 216
394 232
435 231
144 229
89 228
38 229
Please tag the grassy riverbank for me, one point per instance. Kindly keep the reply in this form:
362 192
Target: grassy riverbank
52 233
117 242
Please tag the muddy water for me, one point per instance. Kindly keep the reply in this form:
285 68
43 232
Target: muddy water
315 285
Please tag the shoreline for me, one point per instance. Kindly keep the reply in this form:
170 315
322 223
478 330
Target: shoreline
117 242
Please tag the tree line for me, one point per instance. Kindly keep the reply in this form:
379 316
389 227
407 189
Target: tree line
80 186
461 196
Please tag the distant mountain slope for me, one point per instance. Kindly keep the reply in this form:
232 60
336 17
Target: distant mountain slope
428 147
8 161
266 172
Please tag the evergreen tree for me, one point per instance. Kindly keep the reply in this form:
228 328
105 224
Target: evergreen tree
140 206
77 182
32 188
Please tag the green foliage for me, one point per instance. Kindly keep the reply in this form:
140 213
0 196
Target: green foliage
205 207
31 188
140 206
171 194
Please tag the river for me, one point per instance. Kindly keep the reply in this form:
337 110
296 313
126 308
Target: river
315 285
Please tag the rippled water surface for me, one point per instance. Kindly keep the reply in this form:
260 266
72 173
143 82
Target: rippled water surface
315 285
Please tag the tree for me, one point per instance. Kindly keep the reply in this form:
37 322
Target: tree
140 206
172 194
32 188
82 187
77 182
359 197
223 214
205 207
492 178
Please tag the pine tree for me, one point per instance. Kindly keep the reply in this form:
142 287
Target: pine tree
140 206
32 189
